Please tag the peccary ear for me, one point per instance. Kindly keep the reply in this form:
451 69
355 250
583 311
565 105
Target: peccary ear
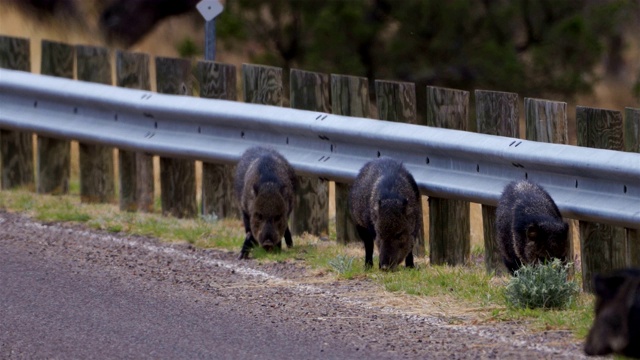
607 286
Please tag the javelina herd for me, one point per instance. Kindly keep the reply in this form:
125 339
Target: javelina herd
529 226
384 203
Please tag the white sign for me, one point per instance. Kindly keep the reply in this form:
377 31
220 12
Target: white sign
209 9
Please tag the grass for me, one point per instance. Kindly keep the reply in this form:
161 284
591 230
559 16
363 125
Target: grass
462 293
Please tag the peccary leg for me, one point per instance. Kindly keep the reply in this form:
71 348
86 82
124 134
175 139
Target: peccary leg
287 238
367 238
512 265
408 262
249 240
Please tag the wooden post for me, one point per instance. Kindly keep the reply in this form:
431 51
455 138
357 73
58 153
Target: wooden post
53 162
449 220
632 144
396 102
16 147
310 91
177 176
96 161
135 168
218 81
496 114
602 246
349 97
546 121
262 84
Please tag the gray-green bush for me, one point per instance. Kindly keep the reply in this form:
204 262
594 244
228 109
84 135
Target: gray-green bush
544 286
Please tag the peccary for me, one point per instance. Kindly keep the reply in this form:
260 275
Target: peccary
529 227
616 327
264 185
384 203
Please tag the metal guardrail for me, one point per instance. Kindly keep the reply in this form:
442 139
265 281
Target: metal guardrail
587 184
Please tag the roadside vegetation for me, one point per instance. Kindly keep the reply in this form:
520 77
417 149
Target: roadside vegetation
478 297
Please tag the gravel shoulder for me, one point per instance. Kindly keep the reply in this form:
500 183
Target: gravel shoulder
220 307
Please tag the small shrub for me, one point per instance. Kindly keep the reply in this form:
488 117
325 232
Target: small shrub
541 286
342 264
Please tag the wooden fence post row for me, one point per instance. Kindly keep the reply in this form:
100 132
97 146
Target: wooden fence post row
603 247
449 220
349 97
97 183
53 162
135 168
632 144
16 148
217 81
496 114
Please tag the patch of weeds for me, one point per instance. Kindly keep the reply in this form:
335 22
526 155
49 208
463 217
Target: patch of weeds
342 264
543 286
63 210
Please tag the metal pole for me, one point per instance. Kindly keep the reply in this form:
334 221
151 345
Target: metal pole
210 40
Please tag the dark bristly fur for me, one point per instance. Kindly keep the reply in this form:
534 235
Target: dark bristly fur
384 203
264 185
616 327
529 227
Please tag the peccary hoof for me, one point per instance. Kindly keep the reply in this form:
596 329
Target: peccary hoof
243 255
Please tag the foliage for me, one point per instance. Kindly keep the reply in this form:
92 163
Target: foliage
342 264
541 286
187 48
535 48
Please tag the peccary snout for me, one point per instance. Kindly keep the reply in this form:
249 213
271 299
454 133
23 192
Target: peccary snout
616 327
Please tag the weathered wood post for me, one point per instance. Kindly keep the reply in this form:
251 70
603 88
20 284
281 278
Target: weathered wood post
602 246
16 147
632 144
53 163
135 168
449 220
396 102
496 114
310 91
96 161
349 97
546 121
177 176
262 84
218 81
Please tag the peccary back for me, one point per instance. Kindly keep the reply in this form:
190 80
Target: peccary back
264 185
616 327
384 203
529 226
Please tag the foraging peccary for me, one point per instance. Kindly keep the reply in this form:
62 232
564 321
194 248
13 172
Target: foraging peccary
616 327
384 203
529 227
264 185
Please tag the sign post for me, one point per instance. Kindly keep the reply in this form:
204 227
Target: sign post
209 9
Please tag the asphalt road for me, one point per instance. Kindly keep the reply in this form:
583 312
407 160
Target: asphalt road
69 293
